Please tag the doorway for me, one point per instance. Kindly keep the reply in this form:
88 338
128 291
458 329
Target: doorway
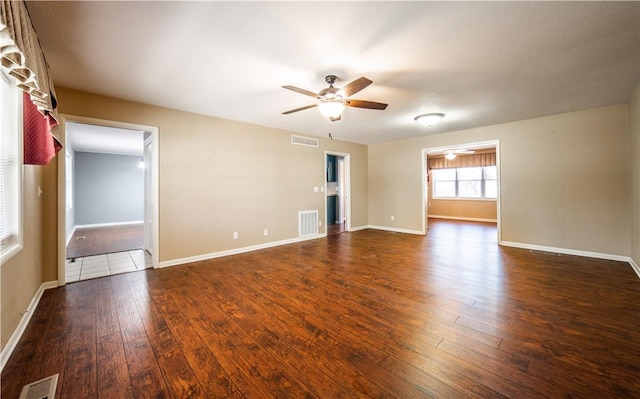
118 160
462 182
337 192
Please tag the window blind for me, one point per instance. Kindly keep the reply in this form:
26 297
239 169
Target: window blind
10 163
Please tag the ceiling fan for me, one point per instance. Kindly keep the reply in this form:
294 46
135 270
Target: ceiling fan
332 100
451 154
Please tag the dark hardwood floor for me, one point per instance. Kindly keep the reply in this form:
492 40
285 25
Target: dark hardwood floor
335 228
89 241
353 315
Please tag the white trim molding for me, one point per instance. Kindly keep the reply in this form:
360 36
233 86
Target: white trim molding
566 251
463 218
84 226
22 326
236 251
396 230
71 233
634 266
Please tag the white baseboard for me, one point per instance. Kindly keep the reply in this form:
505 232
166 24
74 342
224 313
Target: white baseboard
358 228
73 230
566 251
463 218
634 266
22 326
235 251
396 230
82 226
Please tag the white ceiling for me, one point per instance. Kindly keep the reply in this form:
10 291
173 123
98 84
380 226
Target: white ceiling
480 63
108 140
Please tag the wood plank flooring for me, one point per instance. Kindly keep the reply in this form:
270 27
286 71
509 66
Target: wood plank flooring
368 314
90 241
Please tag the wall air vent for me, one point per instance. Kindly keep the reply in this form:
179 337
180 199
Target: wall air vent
44 388
307 223
309 142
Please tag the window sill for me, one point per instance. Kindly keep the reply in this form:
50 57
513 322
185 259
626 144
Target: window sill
464 199
9 252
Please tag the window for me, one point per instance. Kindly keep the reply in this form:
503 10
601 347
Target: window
10 168
474 183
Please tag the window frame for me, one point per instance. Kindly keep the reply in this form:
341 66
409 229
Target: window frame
457 181
15 243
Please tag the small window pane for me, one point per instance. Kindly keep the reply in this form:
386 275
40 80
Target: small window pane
490 173
491 189
445 189
444 174
470 189
470 174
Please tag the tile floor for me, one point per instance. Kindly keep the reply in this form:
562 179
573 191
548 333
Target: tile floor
107 265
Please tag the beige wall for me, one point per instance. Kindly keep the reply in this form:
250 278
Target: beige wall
634 172
563 180
485 210
22 275
218 176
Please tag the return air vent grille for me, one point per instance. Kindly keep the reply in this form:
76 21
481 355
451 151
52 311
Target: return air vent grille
44 388
309 142
308 223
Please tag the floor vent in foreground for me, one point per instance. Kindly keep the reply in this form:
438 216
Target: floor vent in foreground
43 389
307 223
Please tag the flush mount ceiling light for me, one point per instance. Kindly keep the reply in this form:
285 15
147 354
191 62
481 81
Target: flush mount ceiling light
450 155
429 120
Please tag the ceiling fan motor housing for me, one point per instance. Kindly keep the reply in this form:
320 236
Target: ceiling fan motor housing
329 94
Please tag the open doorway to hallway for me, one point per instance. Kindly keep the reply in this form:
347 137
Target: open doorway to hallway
337 190
110 193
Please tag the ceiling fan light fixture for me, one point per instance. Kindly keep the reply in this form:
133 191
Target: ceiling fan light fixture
331 109
429 120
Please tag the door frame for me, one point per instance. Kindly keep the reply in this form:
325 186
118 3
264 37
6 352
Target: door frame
155 238
347 188
425 204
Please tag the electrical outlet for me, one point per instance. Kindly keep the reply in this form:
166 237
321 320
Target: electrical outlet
393 218
235 235
266 232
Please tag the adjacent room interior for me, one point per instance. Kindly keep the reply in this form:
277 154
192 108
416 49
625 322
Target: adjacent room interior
105 193
343 199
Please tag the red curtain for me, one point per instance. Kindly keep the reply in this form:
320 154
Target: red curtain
40 146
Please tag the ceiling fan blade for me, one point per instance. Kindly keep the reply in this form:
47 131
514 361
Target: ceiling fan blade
299 109
354 87
365 104
301 91
337 118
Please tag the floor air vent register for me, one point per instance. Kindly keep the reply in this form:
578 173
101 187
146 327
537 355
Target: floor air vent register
307 223
42 389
